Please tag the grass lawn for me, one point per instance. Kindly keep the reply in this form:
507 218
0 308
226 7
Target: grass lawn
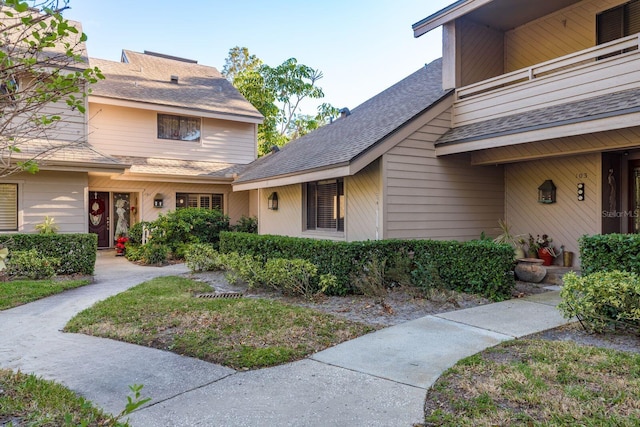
538 383
20 292
240 333
26 400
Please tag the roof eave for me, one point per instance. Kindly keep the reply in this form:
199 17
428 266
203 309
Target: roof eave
448 14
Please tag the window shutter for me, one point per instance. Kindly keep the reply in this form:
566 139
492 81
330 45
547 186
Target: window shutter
340 205
327 209
632 21
216 202
193 201
8 207
205 202
610 25
311 205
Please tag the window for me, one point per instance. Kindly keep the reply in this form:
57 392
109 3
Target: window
178 127
8 207
206 201
325 205
618 22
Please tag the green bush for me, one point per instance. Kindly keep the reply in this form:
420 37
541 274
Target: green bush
202 257
154 253
76 252
246 225
246 268
601 299
133 251
31 265
480 267
610 252
136 230
292 276
189 225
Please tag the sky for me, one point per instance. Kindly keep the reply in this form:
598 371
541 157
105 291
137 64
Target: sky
361 46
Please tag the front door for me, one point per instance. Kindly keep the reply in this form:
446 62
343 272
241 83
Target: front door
634 199
99 217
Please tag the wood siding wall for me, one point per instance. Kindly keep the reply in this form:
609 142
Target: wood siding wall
482 52
438 198
131 132
287 220
561 33
566 220
363 194
60 195
235 204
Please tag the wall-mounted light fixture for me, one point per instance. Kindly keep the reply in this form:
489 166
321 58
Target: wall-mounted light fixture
158 200
272 201
581 194
547 192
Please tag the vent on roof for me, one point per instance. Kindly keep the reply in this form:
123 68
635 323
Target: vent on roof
174 58
174 79
344 112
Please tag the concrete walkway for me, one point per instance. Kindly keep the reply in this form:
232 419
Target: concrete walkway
376 380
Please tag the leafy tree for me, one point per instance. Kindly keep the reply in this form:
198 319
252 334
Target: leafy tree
277 92
43 76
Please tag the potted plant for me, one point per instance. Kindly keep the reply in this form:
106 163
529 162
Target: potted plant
516 241
546 251
532 250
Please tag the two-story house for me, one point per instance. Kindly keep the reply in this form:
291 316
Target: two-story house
184 130
531 115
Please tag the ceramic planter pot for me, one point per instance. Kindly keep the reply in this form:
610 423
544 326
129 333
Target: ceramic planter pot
530 270
544 255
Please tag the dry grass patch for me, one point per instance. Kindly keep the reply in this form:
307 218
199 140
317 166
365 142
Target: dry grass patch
532 382
240 333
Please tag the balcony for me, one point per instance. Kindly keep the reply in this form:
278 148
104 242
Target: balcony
603 69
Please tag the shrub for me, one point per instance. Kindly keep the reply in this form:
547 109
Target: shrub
136 230
246 225
601 299
133 251
48 226
610 252
242 267
189 225
292 276
480 267
154 253
31 265
202 257
76 252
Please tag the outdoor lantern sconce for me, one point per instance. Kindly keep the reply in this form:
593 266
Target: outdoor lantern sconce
272 201
547 192
158 201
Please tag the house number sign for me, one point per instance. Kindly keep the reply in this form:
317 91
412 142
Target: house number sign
581 175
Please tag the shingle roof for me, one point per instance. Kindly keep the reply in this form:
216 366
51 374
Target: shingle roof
62 152
343 140
147 78
182 168
573 112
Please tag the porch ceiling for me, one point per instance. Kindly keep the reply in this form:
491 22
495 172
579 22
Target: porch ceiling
507 14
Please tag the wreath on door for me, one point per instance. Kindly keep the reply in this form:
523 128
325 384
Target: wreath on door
96 209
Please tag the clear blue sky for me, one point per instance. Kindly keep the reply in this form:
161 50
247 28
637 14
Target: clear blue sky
361 46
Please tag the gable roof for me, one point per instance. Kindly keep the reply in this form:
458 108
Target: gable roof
151 167
347 138
618 103
146 78
64 155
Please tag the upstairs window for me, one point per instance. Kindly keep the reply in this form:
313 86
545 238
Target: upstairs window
325 205
618 22
8 207
205 201
179 128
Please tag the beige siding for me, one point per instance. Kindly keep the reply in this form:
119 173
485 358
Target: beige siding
287 220
60 195
589 143
482 52
363 193
566 31
566 220
438 198
131 132
235 205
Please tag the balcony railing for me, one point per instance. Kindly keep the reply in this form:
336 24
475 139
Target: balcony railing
563 63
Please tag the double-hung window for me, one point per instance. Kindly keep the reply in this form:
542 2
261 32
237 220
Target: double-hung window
8 207
205 201
325 205
179 128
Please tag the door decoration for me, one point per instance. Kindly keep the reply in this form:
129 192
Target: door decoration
96 210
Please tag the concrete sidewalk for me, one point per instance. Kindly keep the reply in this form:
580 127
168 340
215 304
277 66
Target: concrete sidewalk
376 380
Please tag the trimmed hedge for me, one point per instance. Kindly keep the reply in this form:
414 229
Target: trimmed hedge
610 252
480 267
76 252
